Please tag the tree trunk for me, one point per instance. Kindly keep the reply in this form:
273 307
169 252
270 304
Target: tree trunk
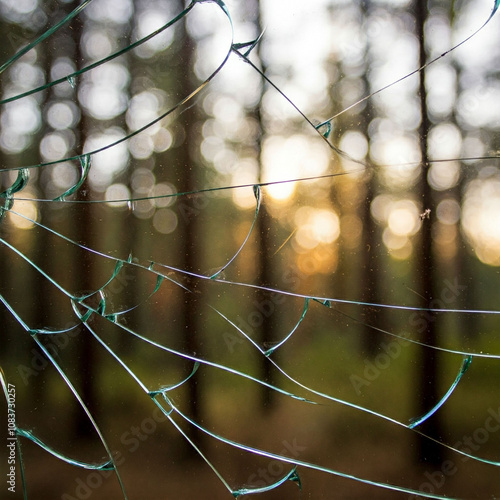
371 237
265 245
189 229
85 269
428 450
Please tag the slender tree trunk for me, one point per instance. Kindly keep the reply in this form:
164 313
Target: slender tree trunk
265 244
42 304
4 269
429 451
87 360
189 229
371 237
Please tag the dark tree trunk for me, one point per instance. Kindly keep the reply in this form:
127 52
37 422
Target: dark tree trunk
429 451
371 237
265 246
85 268
189 229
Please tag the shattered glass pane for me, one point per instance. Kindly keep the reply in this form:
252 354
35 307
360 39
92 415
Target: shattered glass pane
249 249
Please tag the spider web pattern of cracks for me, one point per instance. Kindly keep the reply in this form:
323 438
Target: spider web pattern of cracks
96 304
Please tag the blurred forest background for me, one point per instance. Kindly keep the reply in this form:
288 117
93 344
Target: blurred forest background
267 206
